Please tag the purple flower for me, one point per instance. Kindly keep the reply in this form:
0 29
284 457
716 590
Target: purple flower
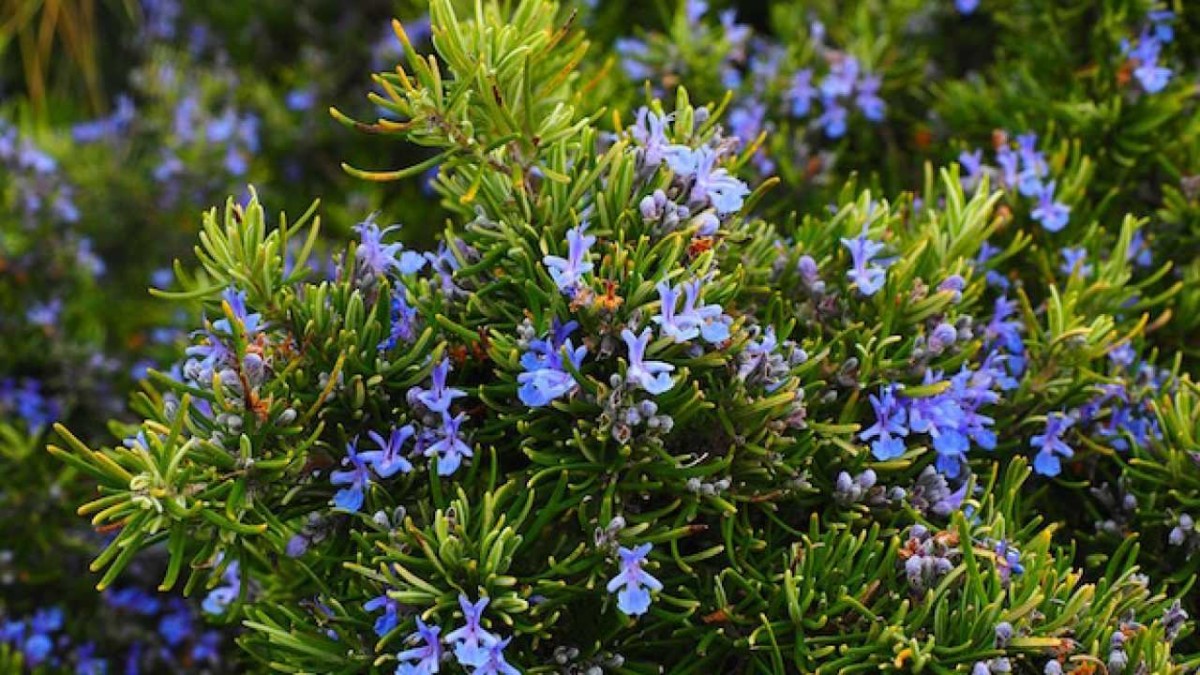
448 445
493 662
1008 561
972 166
1050 445
1033 166
966 7
176 627
235 302
652 376
546 376
1139 250
404 321
801 93
649 131
1003 331
424 657
633 52
438 397
390 458
833 118
692 320
868 100
1074 262
679 328
356 479
867 277
379 258
1153 77
711 184
840 80
890 425
45 314
300 99
391 613
633 584
1051 214
220 598
568 272
1010 164
1161 20
471 641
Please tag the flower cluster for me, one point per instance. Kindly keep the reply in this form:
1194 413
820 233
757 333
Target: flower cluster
472 646
1146 50
1022 171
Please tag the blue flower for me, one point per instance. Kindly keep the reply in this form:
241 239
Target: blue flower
1050 445
391 613
680 328
1053 215
833 118
652 376
175 627
220 598
300 99
1139 250
972 166
448 445
438 397
404 321
424 657
471 641
37 649
633 584
234 302
801 93
868 100
356 479
1074 262
966 7
379 258
87 663
568 272
714 325
207 648
493 662
445 263
649 130
711 184
546 376
867 277
890 425
1008 560
1161 20
632 52
841 78
1033 166
1152 77
390 458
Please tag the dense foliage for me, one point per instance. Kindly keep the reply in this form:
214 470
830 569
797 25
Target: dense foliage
852 337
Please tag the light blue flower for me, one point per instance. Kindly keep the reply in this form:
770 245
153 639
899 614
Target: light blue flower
448 446
390 459
356 479
652 376
633 584
568 272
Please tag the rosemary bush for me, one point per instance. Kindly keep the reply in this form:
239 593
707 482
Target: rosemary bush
878 362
